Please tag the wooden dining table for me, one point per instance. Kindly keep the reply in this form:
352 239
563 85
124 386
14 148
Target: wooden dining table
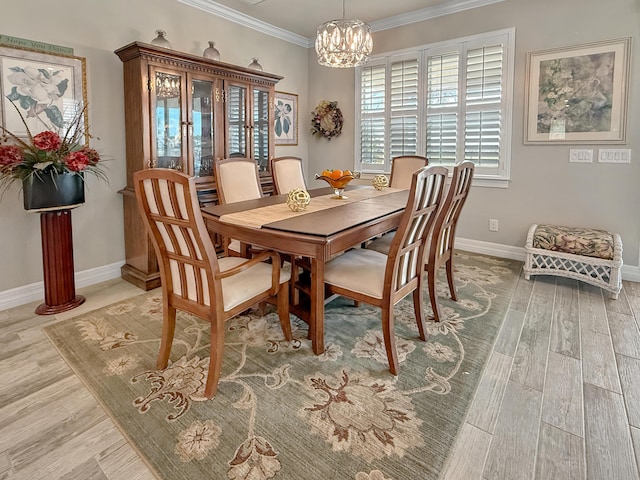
317 235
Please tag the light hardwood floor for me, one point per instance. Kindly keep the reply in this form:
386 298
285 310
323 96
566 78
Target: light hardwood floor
559 398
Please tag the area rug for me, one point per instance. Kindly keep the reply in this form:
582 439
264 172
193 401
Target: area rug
281 411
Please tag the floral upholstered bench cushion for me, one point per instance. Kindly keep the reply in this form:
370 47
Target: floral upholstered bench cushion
578 241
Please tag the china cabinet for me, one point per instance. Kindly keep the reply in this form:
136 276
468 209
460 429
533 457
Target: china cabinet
185 111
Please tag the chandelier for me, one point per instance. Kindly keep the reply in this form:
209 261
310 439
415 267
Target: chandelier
167 86
343 43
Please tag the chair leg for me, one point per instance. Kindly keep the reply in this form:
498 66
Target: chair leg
452 287
390 339
215 359
432 270
168 329
417 309
283 310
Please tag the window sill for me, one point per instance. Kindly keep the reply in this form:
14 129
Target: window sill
366 178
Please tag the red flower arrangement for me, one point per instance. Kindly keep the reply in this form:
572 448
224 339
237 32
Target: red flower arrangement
47 153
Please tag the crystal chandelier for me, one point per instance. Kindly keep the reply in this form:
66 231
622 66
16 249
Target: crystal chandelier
167 86
343 43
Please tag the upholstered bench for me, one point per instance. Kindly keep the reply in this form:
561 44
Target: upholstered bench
593 256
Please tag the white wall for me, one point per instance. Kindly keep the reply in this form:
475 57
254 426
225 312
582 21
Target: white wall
94 29
544 186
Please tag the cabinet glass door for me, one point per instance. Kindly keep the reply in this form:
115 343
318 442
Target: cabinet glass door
202 128
168 118
261 128
237 121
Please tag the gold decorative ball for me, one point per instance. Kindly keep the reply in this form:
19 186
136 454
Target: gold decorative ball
380 182
298 199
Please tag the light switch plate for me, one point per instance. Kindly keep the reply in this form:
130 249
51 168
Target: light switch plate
581 155
614 155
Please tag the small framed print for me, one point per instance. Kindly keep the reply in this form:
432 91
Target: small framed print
285 126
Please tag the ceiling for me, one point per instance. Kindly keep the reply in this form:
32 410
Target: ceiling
297 20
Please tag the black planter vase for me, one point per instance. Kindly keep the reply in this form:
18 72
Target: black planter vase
49 191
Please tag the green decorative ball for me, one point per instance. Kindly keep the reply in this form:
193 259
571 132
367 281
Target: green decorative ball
380 182
298 199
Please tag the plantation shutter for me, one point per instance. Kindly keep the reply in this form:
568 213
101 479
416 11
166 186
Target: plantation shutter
451 101
372 115
483 122
403 125
442 108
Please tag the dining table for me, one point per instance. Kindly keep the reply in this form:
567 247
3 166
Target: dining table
327 227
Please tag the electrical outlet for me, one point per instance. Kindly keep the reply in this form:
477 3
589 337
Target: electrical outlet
493 225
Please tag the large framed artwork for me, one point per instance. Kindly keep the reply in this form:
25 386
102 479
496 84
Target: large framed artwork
578 94
285 128
46 89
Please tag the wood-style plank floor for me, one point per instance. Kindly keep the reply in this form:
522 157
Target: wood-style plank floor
559 398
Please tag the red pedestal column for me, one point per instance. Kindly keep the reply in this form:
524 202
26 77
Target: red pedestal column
57 261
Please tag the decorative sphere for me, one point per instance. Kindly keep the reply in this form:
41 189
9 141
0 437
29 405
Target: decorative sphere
298 199
380 182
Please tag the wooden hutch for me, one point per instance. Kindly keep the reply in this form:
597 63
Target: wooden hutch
185 112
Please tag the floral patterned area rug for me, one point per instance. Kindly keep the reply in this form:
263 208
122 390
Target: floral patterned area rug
282 412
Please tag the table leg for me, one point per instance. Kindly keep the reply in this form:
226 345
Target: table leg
57 262
316 320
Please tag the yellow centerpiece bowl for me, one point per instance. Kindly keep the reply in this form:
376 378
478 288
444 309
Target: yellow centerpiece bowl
338 183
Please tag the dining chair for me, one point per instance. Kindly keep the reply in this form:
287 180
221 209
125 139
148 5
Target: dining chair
383 280
237 179
193 279
402 169
444 232
287 174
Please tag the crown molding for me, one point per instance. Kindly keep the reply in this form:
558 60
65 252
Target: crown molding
247 21
453 6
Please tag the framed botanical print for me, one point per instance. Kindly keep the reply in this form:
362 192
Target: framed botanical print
285 128
578 94
46 89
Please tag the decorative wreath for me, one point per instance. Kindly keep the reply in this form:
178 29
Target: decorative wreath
326 121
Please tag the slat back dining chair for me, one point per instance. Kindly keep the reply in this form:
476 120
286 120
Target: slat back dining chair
402 169
193 279
287 174
444 232
237 179
383 280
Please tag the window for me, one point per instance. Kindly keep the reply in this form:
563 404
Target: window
450 101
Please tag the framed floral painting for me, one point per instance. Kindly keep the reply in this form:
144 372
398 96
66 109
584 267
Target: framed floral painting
578 94
285 128
46 89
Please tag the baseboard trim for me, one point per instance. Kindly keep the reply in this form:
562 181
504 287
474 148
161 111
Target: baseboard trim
35 291
629 272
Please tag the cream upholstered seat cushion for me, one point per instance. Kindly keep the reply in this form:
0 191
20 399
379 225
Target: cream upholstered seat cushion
383 243
289 175
248 283
358 270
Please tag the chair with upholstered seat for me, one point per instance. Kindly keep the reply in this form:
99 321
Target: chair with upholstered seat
383 280
237 179
402 169
287 174
193 279
444 232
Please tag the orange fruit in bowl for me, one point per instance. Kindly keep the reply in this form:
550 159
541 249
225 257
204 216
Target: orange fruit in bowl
326 173
336 174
